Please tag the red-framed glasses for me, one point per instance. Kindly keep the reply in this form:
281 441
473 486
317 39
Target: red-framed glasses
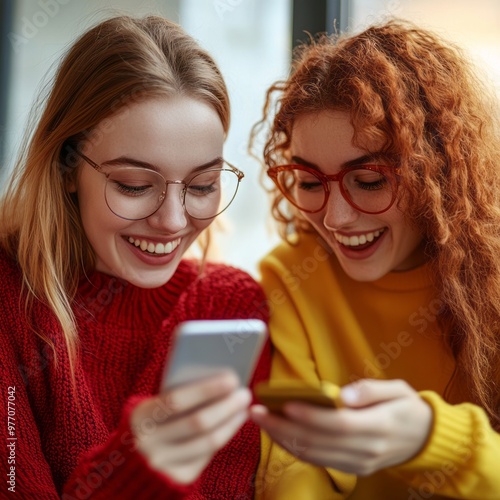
371 189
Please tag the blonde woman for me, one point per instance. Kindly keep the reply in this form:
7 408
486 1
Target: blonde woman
123 172
385 155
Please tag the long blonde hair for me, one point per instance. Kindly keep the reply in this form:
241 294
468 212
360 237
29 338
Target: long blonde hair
421 96
110 66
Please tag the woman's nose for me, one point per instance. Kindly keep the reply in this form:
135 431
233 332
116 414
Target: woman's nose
171 217
338 211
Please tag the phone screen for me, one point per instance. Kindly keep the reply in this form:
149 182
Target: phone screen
204 347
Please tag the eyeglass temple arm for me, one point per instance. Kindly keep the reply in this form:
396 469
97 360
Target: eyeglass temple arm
237 171
89 161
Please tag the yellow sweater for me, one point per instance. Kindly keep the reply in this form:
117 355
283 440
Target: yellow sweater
325 326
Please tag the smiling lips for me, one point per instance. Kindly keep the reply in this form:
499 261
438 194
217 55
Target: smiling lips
155 248
361 240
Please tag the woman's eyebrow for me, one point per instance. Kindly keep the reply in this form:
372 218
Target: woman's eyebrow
365 159
361 160
127 160
300 161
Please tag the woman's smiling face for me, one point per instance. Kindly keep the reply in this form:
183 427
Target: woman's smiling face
174 136
367 246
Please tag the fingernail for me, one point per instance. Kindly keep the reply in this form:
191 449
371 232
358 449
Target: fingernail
244 395
257 411
349 395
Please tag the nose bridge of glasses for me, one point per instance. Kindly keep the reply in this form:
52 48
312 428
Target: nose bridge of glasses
335 191
181 189
332 184
339 208
337 195
333 177
200 196
170 205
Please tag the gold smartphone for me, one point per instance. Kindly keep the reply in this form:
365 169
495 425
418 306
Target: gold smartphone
274 395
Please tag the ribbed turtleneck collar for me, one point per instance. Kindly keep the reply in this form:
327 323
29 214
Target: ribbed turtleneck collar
106 298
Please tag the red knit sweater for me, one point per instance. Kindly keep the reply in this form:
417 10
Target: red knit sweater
78 445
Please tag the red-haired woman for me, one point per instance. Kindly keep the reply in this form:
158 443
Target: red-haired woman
385 153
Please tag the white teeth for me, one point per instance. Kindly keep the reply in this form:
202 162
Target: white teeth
156 248
354 241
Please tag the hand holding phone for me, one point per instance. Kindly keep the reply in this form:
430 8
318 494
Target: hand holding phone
177 445
205 347
276 394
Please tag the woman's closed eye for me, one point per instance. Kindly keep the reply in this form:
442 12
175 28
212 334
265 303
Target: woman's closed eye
310 185
205 183
132 190
368 181
202 189
308 182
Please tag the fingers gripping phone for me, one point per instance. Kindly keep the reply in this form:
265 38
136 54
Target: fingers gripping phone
276 394
205 347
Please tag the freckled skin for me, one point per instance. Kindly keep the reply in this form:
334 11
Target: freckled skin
325 140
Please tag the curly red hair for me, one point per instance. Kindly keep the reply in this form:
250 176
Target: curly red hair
421 96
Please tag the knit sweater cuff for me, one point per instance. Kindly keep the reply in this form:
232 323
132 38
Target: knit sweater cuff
118 470
450 424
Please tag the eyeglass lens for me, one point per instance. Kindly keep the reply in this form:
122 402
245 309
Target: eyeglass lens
136 193
368 190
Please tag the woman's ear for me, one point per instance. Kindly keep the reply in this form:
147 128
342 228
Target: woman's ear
69 162
70 182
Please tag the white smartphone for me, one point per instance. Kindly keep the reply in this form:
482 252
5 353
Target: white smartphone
205 347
